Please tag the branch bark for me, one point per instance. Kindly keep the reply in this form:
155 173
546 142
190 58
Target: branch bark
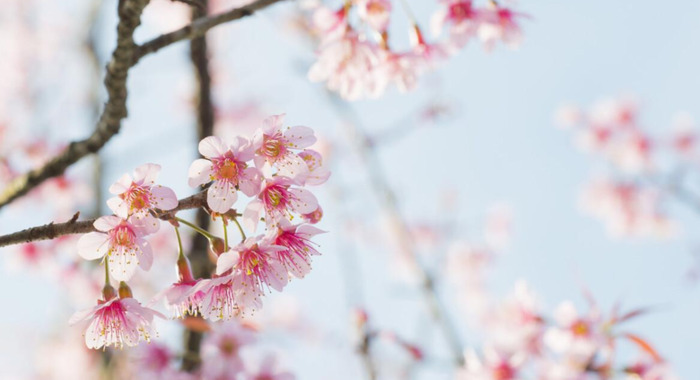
199 253
72 227
199 27
114 110
125 56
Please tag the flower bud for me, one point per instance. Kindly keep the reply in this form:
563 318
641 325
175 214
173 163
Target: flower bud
125 290
217 246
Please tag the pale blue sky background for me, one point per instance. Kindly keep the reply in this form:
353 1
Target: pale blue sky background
501 147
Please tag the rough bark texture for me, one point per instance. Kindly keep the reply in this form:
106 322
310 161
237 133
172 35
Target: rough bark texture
73 226
199 255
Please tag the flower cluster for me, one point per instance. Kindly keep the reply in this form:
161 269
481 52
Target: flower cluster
272 170
357 61
521 339
642 169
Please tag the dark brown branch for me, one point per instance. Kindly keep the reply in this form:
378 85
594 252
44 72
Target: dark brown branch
114 110
125 56
199 27
199 253
72 227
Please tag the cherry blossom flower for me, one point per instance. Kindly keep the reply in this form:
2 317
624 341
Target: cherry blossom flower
330 24
296 239
221 350
275 145
516 325
140 194
218 298
122 242
375 13
579 336
117 322
254 267
227 167
278 199
317 174
462 18
314 216
498 23
494 366
182 298
347 65
268 370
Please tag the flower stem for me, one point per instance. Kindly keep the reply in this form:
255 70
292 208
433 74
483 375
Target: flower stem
223 220
240 229
194 227
180 252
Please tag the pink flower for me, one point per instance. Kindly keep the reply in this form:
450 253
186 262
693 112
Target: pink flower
375 13
296 239
268 371
314 216
254 267
494 366
274 144
278 199
330 24
575 335
402 69
140 194
316 174
117 322
227 167
347 65
221 350
218 300
462 18
122 242
499 23
182 298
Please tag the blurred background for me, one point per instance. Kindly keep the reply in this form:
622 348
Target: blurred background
475 144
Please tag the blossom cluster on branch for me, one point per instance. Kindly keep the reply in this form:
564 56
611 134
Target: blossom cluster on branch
642 169
356 58
272 169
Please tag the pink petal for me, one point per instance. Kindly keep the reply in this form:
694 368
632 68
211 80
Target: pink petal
122 185
251 215
200 172
146 174
299 137
221 196
119 207
122 266
93 245
226 261
272 124
212 147
304 201
292 166
106 223
146 256
164 197
250 182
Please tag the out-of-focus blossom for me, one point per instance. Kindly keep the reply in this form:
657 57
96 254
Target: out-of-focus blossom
221 350
375 13
494 366
268 369
577 336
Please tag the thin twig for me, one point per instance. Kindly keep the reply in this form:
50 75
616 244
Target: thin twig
110 120
72 227
388 199
199 27
125 56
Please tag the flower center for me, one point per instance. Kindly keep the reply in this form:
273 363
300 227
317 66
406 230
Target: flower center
580 328
461 11
503 372
272 147
228 169
123 236
275 195
138 197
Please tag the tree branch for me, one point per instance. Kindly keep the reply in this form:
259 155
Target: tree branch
199 27
72 227
125 56
110 120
